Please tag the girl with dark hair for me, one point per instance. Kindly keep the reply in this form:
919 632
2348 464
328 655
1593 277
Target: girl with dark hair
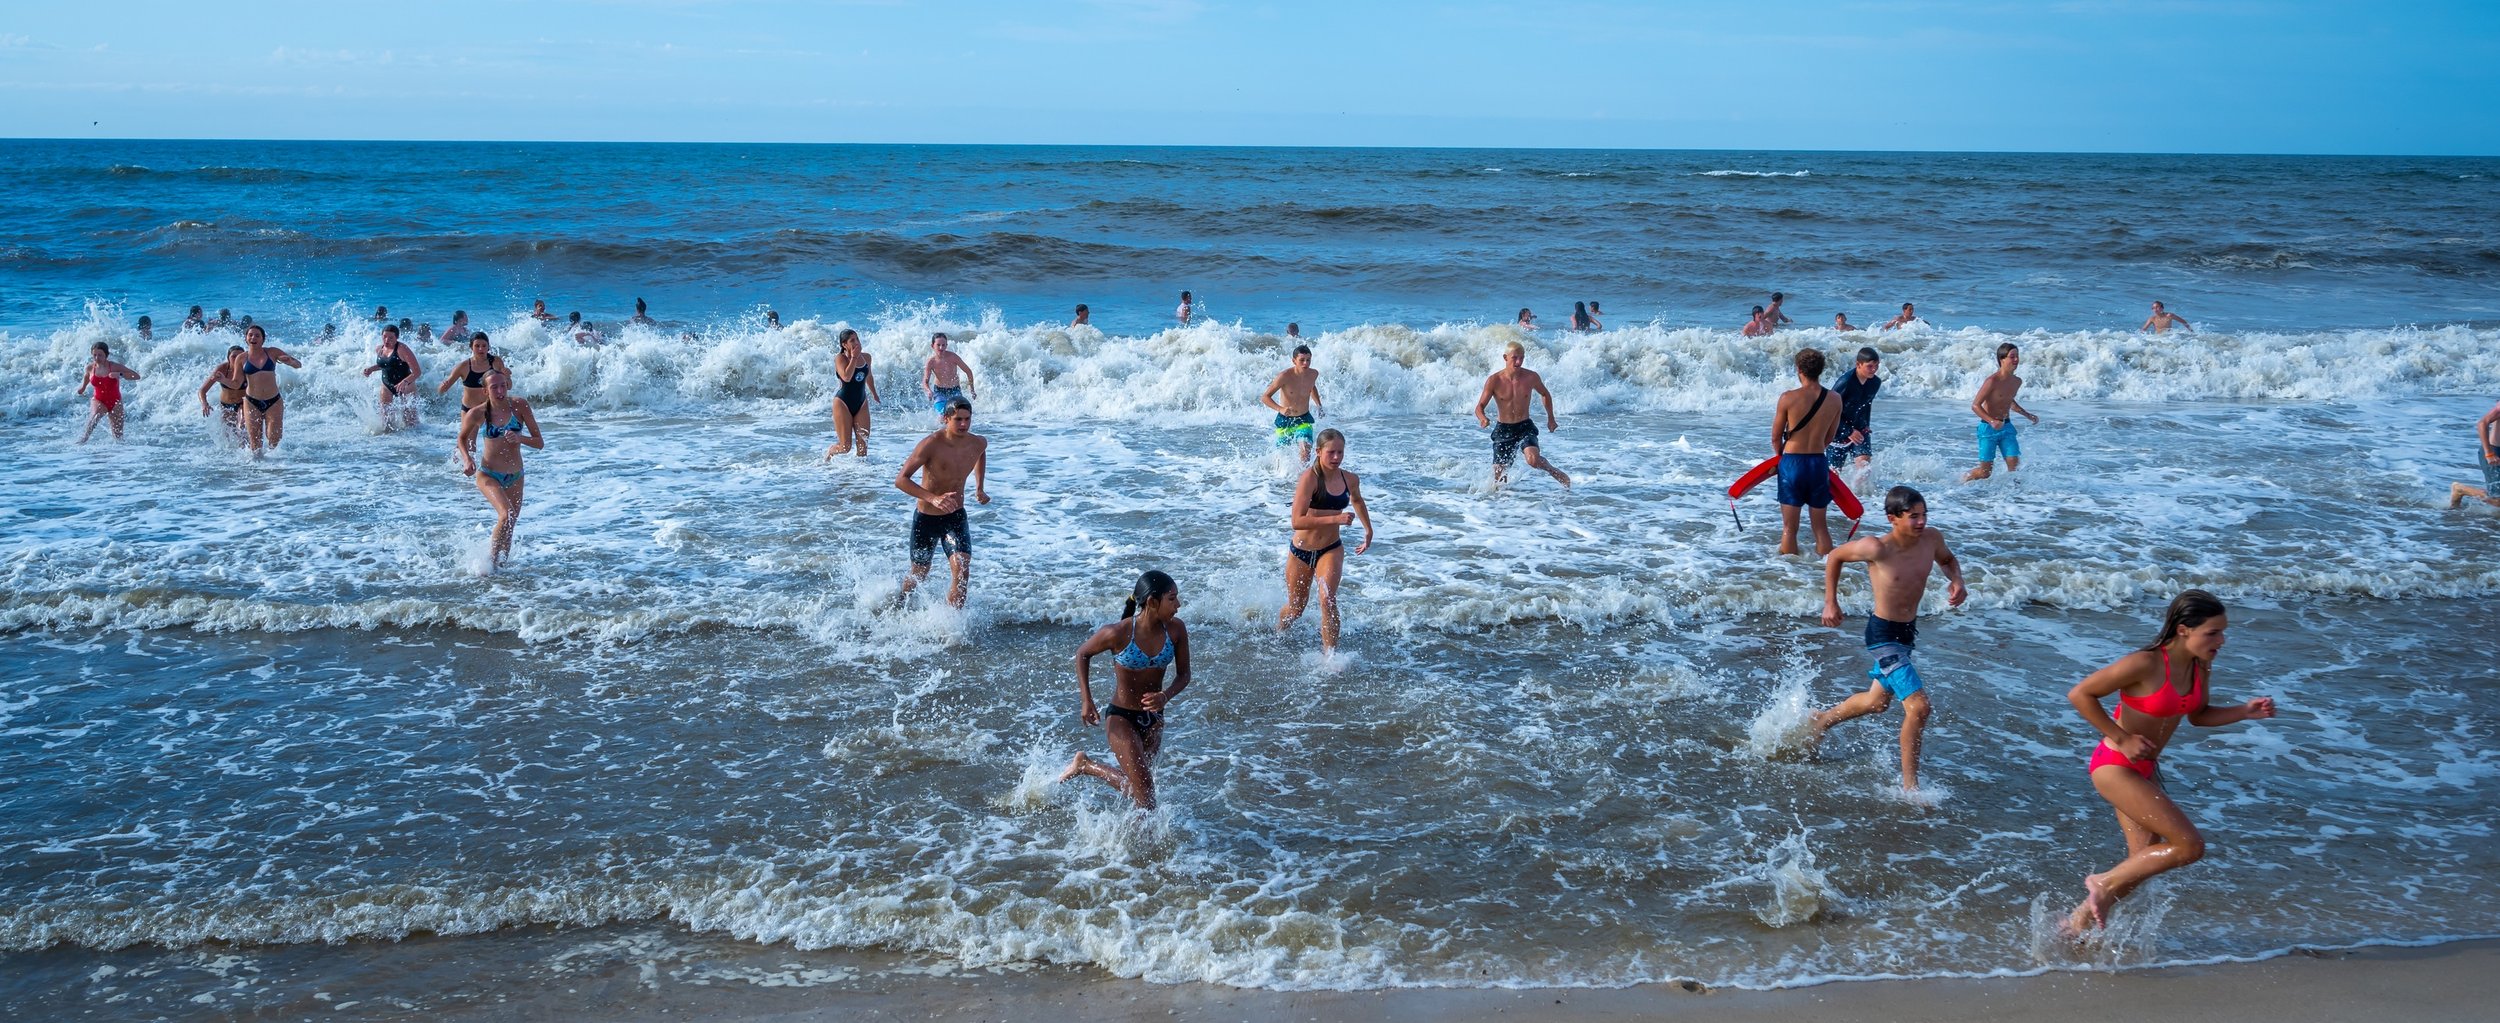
1580 317
505 424
264 409
850 405
105 376
1149 637
1325 500
2147 683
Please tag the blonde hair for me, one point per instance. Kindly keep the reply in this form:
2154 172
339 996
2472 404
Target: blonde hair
1515 348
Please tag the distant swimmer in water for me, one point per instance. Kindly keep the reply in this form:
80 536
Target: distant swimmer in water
1803 423
1840 322
2487 455
329 332
642 315
1321 502
195 321
943 459
1857 391
1526 321
588 333
1513 390
458 332
1909 315
538 311
2163 319
1188 308
105 377
2124 767
850 404
1084 317
228 379
505 423
1995 406
1773 315
381 314
471 372
398 365
264 409
945 377
1148 638
147 329
1580 321
1293 332
425 333
225 320
1759 324
1897 566
1594 313
1294 396
772 319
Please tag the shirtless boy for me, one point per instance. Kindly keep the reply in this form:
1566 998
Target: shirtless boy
2163 319
1909 315
945 377
1802 424
1995 406
1294 396
1897 566
1512 388
943 459
2487 455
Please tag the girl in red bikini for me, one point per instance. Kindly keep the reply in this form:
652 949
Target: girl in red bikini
2157 686
106 377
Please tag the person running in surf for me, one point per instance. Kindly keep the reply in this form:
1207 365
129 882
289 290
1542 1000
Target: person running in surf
945 377
850 404
943 459
264 409
228 379
1325 500
104 376
2163 319
1897 566
1294 396
1855 444
2487 455
398 365
1802 424
1512 389
2125 766
1148 638
506 424
1995 406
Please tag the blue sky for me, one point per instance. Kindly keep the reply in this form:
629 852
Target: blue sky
2092 75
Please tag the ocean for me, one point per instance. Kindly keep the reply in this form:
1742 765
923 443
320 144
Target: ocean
276 744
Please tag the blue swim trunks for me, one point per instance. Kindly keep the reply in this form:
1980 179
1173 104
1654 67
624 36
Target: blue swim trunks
1892 644
1805 480
939 396
2491 472
1292 429
1995 442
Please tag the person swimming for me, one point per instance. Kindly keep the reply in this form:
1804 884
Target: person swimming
1149 638
2125 766
505 424
104 376
147 329
264 409
1084 316
398 365
850 404
1526 320
471 372
1325 500
228 379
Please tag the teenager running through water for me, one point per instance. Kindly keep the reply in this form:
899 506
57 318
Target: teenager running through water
1897 566
105 376
1512 389
2126 764
943 459
398 365
228 379
471 372
1802 424
850 404
1149 637
1294 396
505 423
264 409
1854 443
2487 455
1325 501
1995 406
945 378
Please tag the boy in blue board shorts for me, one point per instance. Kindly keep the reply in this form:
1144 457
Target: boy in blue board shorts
1897 566
1995 406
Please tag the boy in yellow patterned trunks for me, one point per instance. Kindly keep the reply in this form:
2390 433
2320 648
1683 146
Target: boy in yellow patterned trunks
1294 395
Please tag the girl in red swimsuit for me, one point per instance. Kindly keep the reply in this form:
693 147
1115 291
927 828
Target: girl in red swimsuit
106 377
2148 684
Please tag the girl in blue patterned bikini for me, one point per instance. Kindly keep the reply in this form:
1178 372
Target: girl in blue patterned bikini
506 423
1149 637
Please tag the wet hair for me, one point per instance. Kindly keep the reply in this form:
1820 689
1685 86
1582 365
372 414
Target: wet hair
459 314
195 310
1329 436
940 336
1810 363
2188 610
958 404
390 329
1301 349
233 350
1523 312
1515 348
224 313
251 327
575 318
2008 348
145 322
1184 296
1080 307
478 337
637 303
1899 500
1777 298
847 335
381 311
1905 307
101 347
1151 586
1294 329
772 314
1592 305
405 324
1869 355
1757 310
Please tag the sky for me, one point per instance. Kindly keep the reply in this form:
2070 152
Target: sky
2226 76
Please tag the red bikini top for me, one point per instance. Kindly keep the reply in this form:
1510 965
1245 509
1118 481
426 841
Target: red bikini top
2167 702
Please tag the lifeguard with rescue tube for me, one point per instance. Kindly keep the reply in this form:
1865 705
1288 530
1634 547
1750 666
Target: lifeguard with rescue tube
1802 424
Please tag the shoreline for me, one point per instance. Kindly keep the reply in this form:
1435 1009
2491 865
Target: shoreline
2457 980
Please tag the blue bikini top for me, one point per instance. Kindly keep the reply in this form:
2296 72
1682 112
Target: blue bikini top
1135 659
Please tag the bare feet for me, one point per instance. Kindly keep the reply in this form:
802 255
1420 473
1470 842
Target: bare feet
2456 492
2094 907
1076 766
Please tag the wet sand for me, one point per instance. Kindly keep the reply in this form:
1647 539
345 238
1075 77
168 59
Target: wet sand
2458 981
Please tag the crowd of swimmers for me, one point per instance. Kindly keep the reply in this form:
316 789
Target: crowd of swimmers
1815 430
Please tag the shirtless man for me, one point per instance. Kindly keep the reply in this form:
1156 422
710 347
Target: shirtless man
1188 308
381 314
1759 325
1512 389
1802 424
538 311
1909 315
1293 332
642 315
1294 396
1773 314
1995 406
2163 319
2487 451
1594 313
1084 317
1897 566
945 377
1840 322
943 459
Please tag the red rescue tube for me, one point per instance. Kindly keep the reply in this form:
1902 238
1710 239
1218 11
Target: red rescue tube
1841 494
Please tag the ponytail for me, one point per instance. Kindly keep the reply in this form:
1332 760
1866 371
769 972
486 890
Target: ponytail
2188 610
1150 586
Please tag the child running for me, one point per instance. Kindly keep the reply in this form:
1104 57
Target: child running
1897 566
105 376
1149 636
1995 406
1294 395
